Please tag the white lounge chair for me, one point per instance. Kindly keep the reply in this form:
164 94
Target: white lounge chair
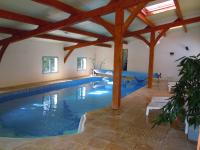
171 86
157 103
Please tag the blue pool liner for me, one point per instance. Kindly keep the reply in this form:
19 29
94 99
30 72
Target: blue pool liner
139 76
45 88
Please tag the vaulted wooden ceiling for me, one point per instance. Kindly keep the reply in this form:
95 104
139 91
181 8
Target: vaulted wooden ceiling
81 23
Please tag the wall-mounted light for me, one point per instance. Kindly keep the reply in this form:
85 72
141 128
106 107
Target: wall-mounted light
186 48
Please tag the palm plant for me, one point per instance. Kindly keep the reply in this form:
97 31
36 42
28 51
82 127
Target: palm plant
185 102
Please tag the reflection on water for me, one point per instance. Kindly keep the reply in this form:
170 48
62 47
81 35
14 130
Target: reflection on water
81 93
50 103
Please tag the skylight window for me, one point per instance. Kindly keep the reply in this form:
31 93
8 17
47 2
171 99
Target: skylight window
160 7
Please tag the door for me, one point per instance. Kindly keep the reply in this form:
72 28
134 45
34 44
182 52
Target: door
125 59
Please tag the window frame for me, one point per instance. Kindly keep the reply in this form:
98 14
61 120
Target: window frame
81 69
50 70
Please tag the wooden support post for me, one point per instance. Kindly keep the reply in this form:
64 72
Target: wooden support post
151 60
118 39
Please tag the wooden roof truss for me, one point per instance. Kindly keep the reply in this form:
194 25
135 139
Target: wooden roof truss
78 16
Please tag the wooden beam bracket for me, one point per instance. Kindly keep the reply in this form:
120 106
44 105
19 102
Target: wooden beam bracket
67 55
140 37
2 50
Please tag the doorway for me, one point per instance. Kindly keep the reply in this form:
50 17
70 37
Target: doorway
125 59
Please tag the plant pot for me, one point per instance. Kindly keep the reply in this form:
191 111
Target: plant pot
193 133
198 145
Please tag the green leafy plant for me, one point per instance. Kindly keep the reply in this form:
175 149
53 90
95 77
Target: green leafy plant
185 102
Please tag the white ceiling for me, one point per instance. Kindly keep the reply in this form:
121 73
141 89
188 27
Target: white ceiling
190 8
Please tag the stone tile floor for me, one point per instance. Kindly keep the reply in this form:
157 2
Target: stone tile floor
105 129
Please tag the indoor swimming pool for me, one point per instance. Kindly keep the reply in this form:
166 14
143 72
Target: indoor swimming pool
57 111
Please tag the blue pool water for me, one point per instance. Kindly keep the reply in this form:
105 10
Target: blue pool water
57 112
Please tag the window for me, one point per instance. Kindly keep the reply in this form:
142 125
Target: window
160 7
49 64
81 63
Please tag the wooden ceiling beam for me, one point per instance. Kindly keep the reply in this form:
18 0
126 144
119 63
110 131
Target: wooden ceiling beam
74 19
164 26
179 13
88 43
144 19
31 20
82 32
51 37
87 33
134 12
74 11
142 31
35 21
140 37
9 30
58 5
162 33
60 38
104 23
21 18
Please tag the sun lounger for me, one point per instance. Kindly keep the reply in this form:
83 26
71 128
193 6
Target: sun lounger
171 86
157 103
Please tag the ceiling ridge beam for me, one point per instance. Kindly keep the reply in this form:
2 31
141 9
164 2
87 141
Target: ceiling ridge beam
179 13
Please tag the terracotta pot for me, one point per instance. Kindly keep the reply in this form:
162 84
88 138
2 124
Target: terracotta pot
178 124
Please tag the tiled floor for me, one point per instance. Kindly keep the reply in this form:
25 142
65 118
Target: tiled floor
105 129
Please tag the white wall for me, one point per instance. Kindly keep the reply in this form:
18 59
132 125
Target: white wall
22 62
175 42
138 52
105 56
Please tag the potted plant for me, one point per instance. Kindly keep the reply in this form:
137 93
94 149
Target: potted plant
184 105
